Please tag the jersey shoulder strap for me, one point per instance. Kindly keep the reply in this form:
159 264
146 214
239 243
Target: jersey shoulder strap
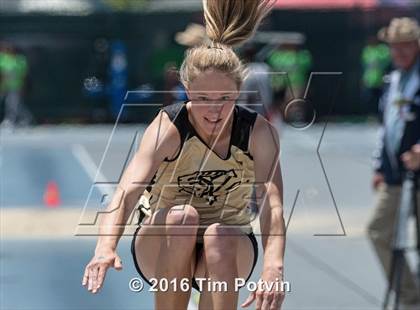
178 115
245 121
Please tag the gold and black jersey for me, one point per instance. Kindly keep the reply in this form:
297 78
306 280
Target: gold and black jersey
220 189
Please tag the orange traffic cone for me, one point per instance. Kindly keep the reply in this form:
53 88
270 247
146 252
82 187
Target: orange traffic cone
52 195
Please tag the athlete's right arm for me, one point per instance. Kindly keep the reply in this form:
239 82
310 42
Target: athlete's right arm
160 140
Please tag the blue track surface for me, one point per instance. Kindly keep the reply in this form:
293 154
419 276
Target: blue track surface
27 169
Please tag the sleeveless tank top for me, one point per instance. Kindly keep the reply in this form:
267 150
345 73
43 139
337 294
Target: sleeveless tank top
220 189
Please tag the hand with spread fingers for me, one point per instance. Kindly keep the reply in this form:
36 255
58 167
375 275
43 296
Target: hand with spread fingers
269 294
96 269
411 158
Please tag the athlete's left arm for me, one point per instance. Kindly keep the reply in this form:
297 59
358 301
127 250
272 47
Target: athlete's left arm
265 149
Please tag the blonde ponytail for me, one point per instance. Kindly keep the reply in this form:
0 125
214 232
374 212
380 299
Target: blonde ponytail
228 23
232 22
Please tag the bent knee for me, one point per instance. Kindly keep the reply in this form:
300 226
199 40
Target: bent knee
220 243
182 222
182 215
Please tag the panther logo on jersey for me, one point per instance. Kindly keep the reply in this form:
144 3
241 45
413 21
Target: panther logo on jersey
206 184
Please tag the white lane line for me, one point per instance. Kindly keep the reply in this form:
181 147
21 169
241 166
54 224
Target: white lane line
86 161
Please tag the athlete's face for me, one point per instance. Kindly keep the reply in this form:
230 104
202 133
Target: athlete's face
212 95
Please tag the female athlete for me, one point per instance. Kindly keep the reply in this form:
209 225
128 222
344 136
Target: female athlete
196 171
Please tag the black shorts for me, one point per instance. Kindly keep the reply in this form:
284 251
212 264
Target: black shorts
198 247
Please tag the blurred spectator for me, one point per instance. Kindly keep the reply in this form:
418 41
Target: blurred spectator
256 88
164 51
289 58
118 77
96 80
174 90
376 61
107 78
193 35
400 108
13 72
166 55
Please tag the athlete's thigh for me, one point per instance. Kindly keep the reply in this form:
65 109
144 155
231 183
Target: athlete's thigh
244 258
148 242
